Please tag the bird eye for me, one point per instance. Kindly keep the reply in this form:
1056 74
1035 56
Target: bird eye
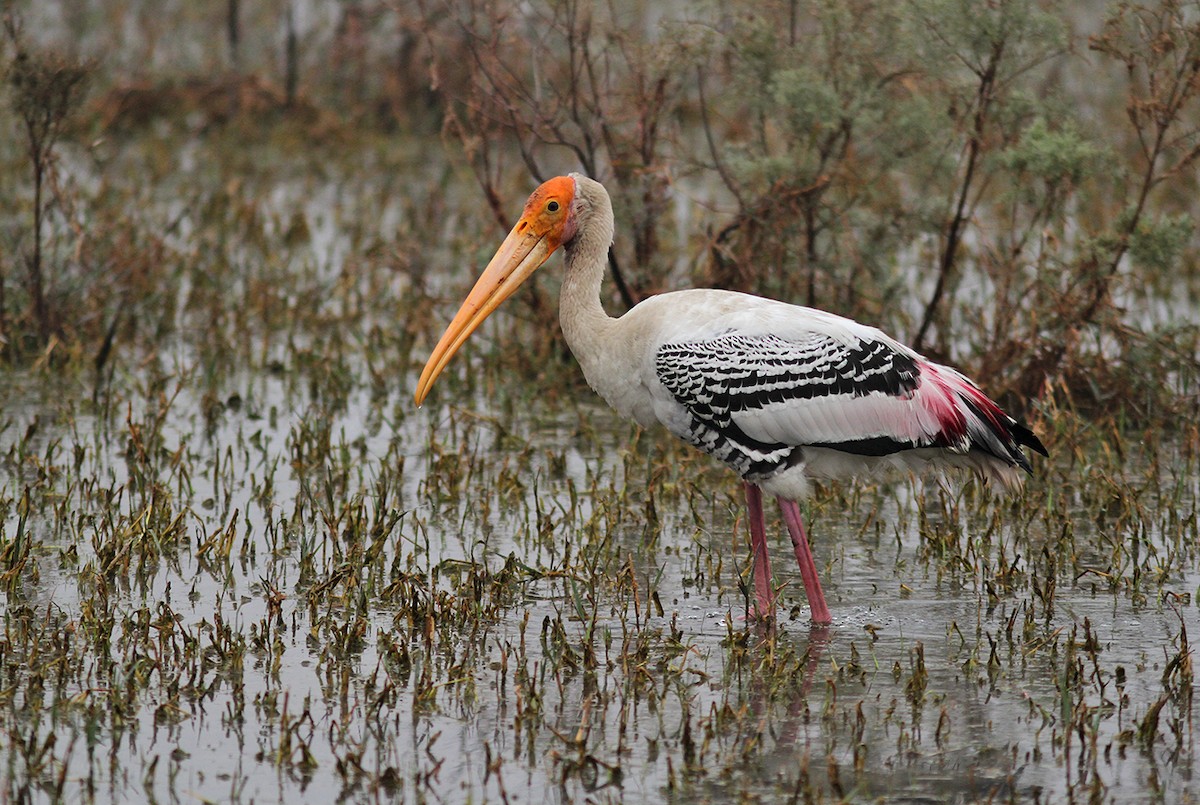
552 206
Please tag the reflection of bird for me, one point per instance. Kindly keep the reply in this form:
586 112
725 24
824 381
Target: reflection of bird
778 392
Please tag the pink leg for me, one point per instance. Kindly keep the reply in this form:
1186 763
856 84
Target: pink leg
808 567
764 595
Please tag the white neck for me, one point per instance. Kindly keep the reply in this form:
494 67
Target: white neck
584 323
611 351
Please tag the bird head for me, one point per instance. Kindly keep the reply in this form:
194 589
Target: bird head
547 222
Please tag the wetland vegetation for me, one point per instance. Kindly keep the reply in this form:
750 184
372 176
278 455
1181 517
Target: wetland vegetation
237 564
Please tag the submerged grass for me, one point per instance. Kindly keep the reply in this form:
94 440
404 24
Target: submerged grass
248 569
237 565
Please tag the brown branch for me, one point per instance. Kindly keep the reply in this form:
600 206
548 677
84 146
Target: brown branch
722 171
957 226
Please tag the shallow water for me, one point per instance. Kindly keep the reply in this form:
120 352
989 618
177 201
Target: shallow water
555 676
241 566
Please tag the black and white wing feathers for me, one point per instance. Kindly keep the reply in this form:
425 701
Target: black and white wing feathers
755 401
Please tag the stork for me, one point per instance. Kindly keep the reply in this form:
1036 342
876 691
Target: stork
780 393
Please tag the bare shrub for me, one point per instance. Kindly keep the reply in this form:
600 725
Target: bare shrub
45 88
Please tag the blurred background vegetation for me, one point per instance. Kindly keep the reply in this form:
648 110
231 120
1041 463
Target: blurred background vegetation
1008 186
231 231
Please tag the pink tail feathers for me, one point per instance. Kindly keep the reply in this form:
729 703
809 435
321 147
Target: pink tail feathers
971 424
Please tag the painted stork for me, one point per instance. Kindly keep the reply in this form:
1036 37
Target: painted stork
780 393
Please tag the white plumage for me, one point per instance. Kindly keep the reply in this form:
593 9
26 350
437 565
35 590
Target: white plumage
780 393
